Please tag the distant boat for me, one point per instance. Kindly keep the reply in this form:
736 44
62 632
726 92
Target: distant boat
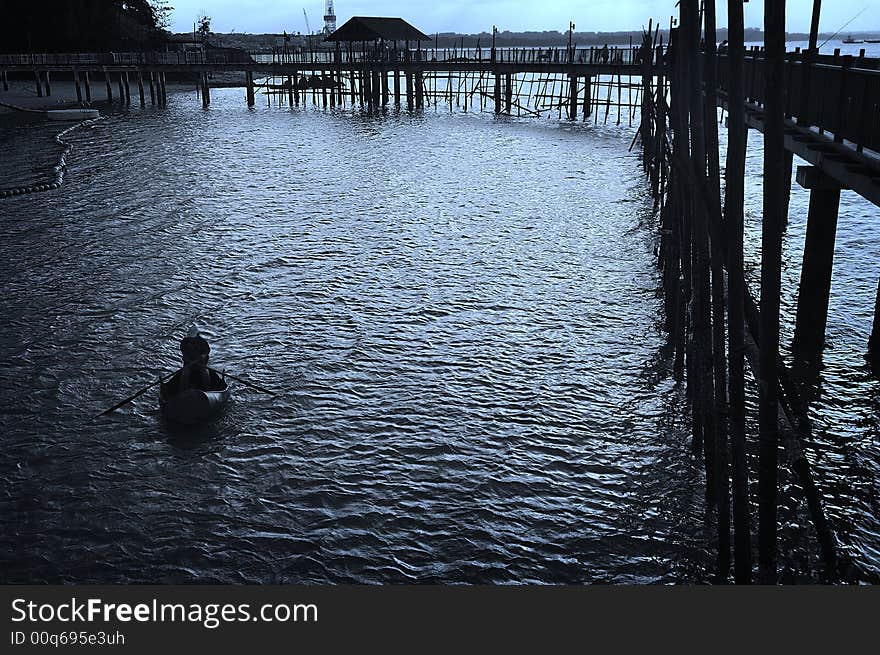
872 40
849 39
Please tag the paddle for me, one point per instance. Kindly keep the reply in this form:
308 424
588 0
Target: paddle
130 398
250 384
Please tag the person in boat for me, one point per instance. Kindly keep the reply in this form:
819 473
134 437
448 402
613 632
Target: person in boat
195 351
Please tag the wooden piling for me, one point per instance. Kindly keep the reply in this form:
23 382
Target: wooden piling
107 83
368 87
572 96
5 81
420 89
722 487
249 83
121 88
206 91
127 88
874 340
815 286
48 84
141 97
409 90
588 100
340 88
396 74
76 84
384 76
88 86
771 271
39 83
152 85
703 378
734 194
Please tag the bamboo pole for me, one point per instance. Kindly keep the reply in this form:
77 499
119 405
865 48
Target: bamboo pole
722 488
701 320
733 200
771 273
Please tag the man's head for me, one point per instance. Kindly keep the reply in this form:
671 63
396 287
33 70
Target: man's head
193 332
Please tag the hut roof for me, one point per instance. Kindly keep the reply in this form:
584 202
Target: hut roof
370 28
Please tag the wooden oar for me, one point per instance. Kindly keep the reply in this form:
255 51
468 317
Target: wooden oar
130 398
251 384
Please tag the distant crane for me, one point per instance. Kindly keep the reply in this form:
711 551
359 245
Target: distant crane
308 27
329 19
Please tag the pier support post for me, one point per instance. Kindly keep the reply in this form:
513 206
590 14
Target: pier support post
588 96
206 92
141 88
249 81
121 88
152 85
508 93
409 90
290 90
127 88
396 74
163 89
771 276
48 85
572 96
88 86
384 88
367 85
5 82
815 287
39 83
323 90
79 95
788 164
352 83
420 91
497 93
377 88
874 341
108 85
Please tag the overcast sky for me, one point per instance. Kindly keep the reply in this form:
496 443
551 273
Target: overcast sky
470 16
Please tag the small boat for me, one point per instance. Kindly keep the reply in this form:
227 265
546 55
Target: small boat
872 40
71 114
849 39
193 405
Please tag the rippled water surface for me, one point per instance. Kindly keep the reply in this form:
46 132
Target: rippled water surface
461 318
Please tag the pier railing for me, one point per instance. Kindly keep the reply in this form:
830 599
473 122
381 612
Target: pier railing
842 98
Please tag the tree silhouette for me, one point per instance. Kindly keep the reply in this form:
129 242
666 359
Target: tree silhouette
82 25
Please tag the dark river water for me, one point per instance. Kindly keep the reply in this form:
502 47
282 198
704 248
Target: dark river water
461 316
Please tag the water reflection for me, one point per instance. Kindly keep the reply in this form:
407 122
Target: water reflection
460 314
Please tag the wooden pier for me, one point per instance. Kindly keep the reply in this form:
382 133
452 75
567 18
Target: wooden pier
516 81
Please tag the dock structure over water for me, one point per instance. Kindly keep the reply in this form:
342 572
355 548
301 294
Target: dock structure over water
824 109
373 74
